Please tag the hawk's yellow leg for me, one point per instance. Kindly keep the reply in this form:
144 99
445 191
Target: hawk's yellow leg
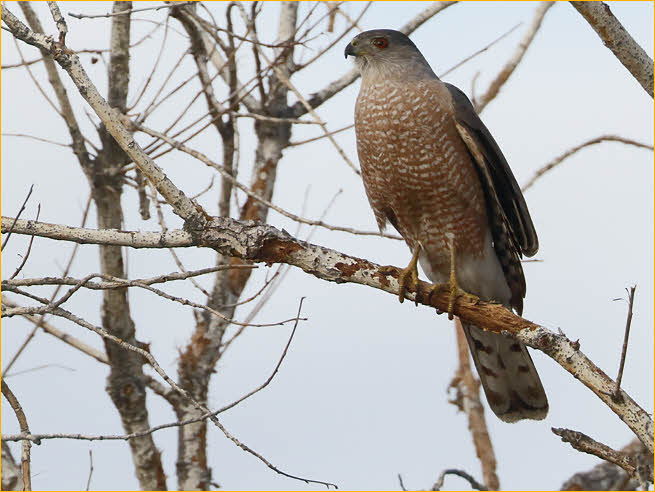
410 273
452 282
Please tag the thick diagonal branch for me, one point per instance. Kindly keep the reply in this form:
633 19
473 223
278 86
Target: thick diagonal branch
618 40
265 243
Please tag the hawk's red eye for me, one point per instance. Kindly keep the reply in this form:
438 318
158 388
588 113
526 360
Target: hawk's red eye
380 43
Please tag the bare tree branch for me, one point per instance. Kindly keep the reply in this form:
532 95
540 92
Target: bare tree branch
618 40
64 337
460 473
624 350
20 211
607 476
128 11
180 390
62 27
69 264
559 159
182 206
333 88
88 481
29 248
480 51
25 429
65 108
253 195
586 444
513 62
260 242
37 438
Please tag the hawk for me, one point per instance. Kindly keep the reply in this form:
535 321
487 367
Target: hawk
432 169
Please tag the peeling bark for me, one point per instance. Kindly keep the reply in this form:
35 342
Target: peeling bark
10 470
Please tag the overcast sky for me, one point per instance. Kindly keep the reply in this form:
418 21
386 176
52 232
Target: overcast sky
362 394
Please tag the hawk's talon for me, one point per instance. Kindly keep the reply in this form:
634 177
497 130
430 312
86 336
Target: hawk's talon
435 288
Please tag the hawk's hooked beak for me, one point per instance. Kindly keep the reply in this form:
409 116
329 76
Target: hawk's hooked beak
350 50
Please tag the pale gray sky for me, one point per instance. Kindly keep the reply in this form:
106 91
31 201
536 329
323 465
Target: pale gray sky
361 395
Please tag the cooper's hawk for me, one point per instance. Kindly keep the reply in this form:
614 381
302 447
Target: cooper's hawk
432 169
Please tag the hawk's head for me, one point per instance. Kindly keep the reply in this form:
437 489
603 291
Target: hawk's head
385 50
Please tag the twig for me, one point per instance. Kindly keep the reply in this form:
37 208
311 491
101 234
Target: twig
481 50
65 109
98 51
424 16
69 264
182 206
516 58
164 227
96 16
204 159
586 444
26 436
38 368
122 282
325 135
51 307
279 275
29 248
277 367
29 70
628 322
37 438
25 429
558 160
40 139
88 482
333 42
336 86
267 282
285 80
607 476
618 40
62 27
460 473
152 72
11 228
184 393
468 387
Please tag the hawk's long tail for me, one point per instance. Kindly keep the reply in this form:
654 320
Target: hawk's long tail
508 375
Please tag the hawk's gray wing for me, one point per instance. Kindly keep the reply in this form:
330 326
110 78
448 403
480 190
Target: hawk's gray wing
509 220
497 179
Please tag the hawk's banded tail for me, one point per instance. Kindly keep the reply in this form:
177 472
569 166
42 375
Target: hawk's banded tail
509 378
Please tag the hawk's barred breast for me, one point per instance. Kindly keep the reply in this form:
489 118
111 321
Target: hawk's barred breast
416 167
